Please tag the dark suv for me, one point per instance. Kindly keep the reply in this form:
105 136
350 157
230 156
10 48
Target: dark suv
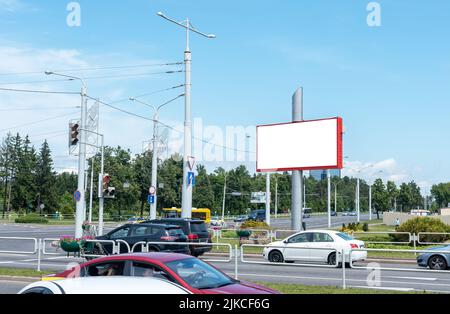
257 215
196 231
147 232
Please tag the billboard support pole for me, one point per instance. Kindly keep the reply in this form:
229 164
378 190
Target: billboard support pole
268 198
297 176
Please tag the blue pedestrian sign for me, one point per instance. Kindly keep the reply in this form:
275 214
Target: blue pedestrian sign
77 196
191 178
151 199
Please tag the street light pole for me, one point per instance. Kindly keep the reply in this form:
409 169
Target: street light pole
268 198
81 204
224 195
186 206
154 175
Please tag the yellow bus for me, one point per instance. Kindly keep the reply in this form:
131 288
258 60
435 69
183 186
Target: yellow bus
197 213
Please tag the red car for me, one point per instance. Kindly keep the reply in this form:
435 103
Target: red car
192 273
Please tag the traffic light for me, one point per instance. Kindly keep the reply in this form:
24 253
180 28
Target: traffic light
73 134
110 193
107 191
105 184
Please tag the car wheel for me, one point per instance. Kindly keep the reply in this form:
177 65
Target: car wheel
437 262
276 257
332 259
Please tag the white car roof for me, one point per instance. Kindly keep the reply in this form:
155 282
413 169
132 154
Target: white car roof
110 285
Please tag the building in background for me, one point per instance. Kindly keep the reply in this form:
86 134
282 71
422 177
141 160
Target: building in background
322 174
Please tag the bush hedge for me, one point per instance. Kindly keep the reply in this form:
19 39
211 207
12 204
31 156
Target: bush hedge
31 219
425 224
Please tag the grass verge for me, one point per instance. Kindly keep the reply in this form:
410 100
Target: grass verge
303 289
17 272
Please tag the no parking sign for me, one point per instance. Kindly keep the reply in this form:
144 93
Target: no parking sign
77 196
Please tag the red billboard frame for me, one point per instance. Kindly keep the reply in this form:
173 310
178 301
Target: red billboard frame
339 139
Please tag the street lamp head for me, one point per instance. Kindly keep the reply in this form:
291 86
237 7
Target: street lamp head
160 14
48 73
212 36
132 98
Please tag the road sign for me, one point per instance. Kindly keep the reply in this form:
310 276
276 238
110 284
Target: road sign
77 196
152 190
258 198
191 178
191 162
151 199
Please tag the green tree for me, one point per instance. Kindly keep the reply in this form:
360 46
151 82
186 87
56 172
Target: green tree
203 194
47 193
380 197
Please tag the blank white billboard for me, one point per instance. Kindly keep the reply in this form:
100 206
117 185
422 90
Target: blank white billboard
306 145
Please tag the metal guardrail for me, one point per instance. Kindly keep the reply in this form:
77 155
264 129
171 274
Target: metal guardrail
410 237
432 233
34 240
399 269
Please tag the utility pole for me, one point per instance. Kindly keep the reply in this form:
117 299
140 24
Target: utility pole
276 197
101 200
297 176
81 204
186 196
358 213
91 191
370 202
268 198
224 195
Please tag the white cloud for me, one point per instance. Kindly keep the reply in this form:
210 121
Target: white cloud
11 5
388 170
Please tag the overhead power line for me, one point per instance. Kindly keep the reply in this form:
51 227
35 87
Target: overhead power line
110 76
37 91
168 126
37 122
96 68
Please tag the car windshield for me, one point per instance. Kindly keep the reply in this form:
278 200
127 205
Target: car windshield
199 274
344 236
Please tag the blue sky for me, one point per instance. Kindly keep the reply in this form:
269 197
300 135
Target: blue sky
389 83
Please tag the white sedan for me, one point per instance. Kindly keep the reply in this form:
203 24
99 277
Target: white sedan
105 285
315 246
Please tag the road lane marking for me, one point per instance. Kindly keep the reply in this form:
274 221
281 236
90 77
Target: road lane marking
385 288
413 278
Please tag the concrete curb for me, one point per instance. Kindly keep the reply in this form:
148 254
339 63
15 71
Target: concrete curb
20 279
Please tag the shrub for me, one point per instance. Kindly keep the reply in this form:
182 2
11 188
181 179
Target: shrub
366 227
31 219
425 224
255 225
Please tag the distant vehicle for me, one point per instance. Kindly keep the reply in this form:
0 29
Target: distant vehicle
105 285
191 273
420 212
307 212
257 215
241 218
353 214
333 213
135 220
345 214
197 213
289 250
435 261
147 232
217 222
196 231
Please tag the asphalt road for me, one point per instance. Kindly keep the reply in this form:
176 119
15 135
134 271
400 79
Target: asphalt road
411 278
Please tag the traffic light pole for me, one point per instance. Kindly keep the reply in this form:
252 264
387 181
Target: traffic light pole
101 201
81 204
154 165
